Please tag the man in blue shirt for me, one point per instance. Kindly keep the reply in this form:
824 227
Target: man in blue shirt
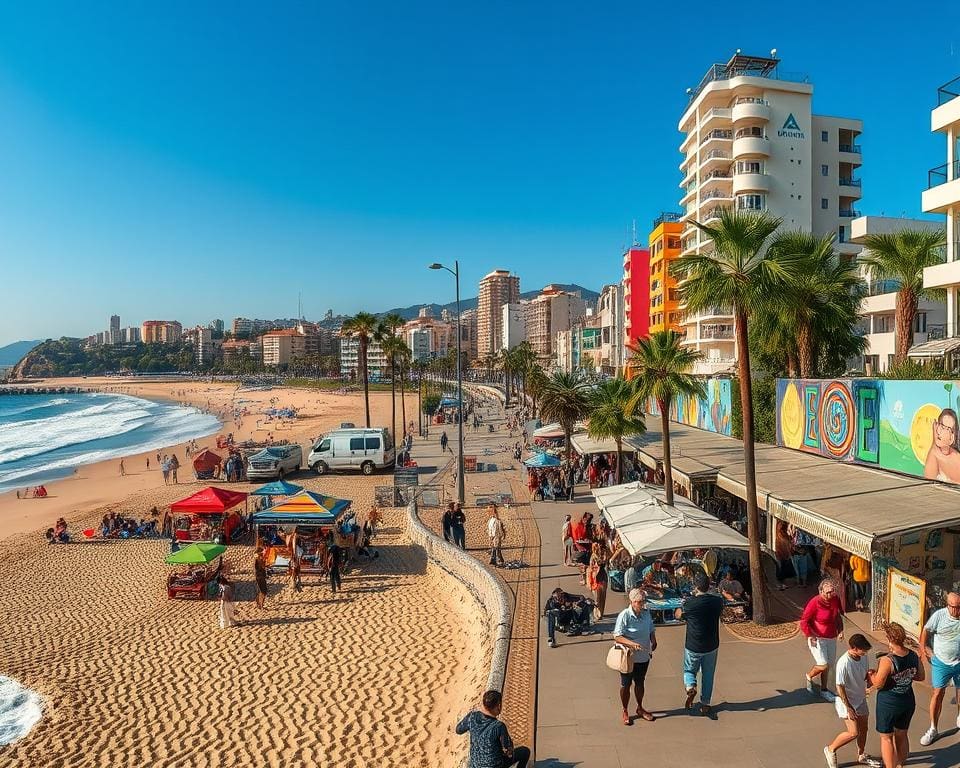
490 743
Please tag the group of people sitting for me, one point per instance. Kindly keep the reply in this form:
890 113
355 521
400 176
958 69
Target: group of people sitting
58 534
37 492
116 526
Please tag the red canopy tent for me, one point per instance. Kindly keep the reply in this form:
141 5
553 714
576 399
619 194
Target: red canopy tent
208 503
206 461
209 500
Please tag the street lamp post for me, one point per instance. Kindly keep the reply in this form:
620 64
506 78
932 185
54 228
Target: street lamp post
456 277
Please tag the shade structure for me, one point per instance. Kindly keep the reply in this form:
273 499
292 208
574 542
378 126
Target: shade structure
449 402
677 530
277 488
549 431
196 554
209 500
586 446
304 508
542 460
206 460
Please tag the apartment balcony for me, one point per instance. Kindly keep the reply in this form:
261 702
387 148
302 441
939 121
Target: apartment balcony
716 117
716 332
943 188
689 193
751 146
707 315
716 139
848 213
715 178
713 365
713 214
750 108
943 275
715 158
851 154
948 106
720 193
750 182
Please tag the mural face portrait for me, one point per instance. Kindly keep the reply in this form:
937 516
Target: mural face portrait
945 431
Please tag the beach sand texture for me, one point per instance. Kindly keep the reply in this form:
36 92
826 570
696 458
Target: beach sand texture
376 676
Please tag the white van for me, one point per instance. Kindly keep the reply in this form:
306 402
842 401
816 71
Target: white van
363 449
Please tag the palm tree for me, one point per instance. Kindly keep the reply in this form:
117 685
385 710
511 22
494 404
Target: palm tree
740 273
901 257
661 366
525 359
565 401
505 362
536 383
363 326
404 355
614 413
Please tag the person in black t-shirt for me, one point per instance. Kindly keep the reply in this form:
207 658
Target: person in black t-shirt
702 614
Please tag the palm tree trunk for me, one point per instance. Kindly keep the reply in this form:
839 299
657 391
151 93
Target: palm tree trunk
805 350
667 460
366 380
906 311
566 434
403 402
757 578
420 400
619 443
791 365
393 397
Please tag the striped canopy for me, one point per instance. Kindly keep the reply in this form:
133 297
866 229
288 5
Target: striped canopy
304 508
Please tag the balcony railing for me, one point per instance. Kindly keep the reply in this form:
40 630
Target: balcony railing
717 133
940 251
751 100
726 72
716 153
880 287
715 175
716 332
667 216
715 194
853 148
849 213
936 332
754 133
851 182
942 174
948 91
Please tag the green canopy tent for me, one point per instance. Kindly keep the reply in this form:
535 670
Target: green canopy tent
199 553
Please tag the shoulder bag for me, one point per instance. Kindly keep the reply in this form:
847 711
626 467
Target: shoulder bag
620 659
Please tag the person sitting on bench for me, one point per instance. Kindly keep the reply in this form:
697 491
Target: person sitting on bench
563 609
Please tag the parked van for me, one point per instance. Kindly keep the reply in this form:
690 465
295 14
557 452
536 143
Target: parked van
363 449
274 462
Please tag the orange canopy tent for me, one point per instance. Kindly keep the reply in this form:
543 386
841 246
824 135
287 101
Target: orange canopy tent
206 460
216 500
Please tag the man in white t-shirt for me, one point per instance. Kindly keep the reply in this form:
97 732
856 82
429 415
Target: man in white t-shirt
943 628
851 702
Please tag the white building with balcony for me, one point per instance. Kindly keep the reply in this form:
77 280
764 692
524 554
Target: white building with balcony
878 310
943 196
751 142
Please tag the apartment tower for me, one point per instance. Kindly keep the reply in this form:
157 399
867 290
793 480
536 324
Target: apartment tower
664 248
751 142
496 289
636 295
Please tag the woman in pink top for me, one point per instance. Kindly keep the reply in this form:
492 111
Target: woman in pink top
822 623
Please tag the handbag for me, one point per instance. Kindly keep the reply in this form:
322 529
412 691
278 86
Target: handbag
620 659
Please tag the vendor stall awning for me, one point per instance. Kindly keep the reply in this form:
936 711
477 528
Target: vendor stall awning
549 430
209 500
542 460
937 348
676 529
304 508
277 488
585 445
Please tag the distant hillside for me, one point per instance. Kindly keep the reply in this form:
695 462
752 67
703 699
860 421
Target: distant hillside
12 353
410 312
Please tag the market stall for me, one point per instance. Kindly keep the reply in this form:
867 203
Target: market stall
198 580
208 515
277 489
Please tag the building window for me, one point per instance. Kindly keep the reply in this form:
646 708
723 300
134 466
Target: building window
824 136
842 235
824 170
824 203
920 323
750 202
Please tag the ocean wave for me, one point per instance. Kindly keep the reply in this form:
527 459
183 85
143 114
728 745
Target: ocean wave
37 406
20 710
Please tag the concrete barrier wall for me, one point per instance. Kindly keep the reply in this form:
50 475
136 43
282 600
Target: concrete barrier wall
481 584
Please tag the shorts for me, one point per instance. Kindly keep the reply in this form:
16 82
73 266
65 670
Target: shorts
860 708
895 715
943 674
824 652
637 676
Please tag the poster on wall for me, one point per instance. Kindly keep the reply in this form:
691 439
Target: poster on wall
905 601
919 429
712 413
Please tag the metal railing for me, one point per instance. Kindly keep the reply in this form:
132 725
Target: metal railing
717 133
718 174
849 213
943 173
940 252
880 287
851 182
724 72
667 216
948 91
751 100
750 133
715 194
722 154
936 332
716 332
853 148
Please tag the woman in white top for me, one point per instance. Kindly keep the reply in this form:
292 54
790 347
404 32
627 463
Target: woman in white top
566 536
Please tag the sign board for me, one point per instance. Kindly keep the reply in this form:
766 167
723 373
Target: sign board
905 601
406 476
469 463
591 338
431 495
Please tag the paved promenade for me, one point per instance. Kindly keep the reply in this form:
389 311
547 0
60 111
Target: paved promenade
764 717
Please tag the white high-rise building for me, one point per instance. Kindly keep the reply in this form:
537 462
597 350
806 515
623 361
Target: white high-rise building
752 142
513 325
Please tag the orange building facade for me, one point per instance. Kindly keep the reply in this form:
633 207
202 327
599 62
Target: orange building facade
665 312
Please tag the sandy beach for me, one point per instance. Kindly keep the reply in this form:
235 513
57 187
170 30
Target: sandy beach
377 675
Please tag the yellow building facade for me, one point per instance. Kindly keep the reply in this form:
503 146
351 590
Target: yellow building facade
664 245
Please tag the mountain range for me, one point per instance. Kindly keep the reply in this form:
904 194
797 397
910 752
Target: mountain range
12 353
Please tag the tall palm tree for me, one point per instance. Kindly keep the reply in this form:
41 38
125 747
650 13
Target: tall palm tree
565 401
902 256
614 413
536 383
525 359
740 273
505 362
362 326
404 356
661 365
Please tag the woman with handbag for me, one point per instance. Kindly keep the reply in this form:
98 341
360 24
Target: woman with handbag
635 640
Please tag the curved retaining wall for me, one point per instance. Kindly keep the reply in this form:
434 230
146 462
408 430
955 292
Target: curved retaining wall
481 584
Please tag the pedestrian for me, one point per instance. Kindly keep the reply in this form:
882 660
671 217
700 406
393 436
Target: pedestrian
702 643
896 703
635 632
226 600
598 580
260 576
851 703
122 470
566 536
165 470
783 546
490 742
447 521
940 643
148 463
174 466
443 442
459 528
860 573
333 565
496 532
822 623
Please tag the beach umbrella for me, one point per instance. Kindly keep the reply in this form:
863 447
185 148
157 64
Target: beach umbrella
672 530
196 554
277 488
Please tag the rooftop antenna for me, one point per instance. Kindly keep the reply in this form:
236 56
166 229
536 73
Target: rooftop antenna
300 305
634 241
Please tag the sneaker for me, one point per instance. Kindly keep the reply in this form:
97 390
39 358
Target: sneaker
811 686
930 736
871 761
831 757
828 696
552 643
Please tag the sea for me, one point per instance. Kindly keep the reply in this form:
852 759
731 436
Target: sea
20 710
45 437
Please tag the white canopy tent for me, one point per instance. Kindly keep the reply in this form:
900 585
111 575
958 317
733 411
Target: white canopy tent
549 430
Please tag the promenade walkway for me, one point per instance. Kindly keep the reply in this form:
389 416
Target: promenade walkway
764 717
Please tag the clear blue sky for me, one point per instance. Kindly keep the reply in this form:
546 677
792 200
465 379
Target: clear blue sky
199 160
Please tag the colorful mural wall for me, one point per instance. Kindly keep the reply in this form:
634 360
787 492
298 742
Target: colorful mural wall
711 413
906 426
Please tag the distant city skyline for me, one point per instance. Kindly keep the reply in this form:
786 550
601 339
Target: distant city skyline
162 171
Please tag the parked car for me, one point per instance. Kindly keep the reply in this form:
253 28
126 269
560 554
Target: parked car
363 449
274 462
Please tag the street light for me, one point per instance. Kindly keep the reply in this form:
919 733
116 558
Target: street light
456 276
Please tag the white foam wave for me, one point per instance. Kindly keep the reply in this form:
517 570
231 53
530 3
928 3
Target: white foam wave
20 710
46 404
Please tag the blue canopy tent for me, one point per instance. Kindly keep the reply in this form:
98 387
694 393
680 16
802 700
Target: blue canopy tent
542 460
304 508
449 402
278 488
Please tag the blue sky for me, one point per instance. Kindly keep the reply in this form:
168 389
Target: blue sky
200 160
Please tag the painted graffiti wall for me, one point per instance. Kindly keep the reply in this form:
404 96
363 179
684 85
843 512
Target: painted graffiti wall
712 413
906 426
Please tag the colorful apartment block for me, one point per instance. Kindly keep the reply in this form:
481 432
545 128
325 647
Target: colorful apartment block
665 313
636 294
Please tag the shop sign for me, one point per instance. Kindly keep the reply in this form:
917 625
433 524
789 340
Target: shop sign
905 601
